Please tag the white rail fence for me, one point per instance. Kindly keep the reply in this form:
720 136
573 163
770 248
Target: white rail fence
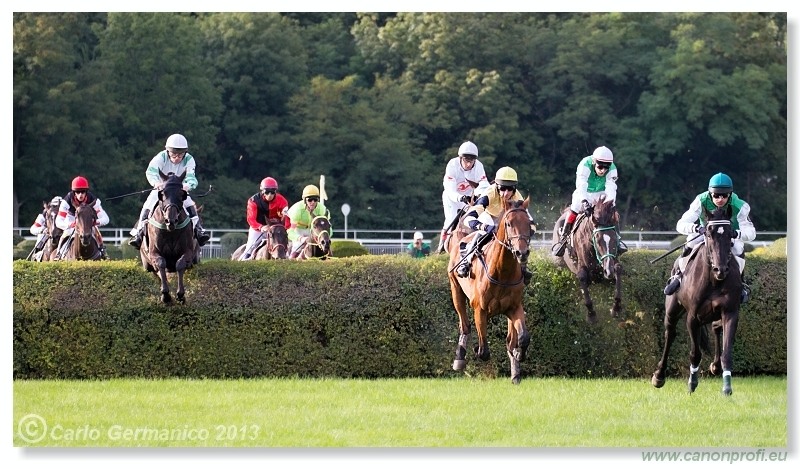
396 241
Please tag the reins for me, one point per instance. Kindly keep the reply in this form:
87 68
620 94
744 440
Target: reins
506 246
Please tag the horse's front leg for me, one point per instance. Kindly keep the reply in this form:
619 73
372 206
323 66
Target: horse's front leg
672 308
162 275
517 341
617 308
716 366
584 280
180 267
730 322
460 305
693 326
481 326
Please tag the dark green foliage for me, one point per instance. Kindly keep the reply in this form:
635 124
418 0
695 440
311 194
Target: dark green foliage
348 249
230 242
366 316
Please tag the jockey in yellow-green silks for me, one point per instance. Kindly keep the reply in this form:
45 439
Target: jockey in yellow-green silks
301 214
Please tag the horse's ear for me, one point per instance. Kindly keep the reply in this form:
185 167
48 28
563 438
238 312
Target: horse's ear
526 202
728 211
184 195
706 213
183 175
161 174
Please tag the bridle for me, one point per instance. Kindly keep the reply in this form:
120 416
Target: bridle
599 230
709 229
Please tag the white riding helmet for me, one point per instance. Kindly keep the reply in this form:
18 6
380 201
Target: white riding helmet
56 201
468 148
418 235
177 142
603 154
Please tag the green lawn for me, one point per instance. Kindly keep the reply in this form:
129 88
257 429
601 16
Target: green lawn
460 412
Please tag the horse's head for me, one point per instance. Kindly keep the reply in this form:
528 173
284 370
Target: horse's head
85 219
605 237
171 197
50 215
719 233
277 241
514 231
320 234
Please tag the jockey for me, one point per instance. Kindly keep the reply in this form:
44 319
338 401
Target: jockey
418 248
79 195
265 208
596 175
461 176
484 215
301 214
39 227
720 194
176 159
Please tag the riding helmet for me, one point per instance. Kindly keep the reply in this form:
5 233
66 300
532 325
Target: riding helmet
468 148
56 201
177 142
80 182
506 176
268 183
720 181
603 154
310 191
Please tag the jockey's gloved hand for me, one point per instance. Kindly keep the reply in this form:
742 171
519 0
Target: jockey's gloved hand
586 206
467 199
700 229
489 229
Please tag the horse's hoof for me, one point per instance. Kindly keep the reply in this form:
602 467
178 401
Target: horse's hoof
591 318
727 390
692 384
657 382
459 365
715 369
166 298
182 299
516 380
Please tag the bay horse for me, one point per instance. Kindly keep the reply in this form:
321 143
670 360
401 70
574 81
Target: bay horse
169 244
52 234
710 293
84 244
274 244
592 254
494 287
318 244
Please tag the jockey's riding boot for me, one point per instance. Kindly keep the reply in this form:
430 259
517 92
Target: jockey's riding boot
566 230
622 248
199 232
561 246
137 233
103 254
673 283
526 274
466 260
745 291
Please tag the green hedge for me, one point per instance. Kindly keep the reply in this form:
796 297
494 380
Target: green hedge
366 316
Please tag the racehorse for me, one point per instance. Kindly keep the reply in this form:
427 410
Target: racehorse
710 293
273 244
318 244
592 254
495 286
85 246
169 244
49 243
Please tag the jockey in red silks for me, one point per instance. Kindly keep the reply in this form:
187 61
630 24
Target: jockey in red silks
265 208
79 195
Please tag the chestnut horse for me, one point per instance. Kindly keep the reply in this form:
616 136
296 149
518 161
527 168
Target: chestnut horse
273 244
85 246
318 244
593 253
710 293
495 286
169 244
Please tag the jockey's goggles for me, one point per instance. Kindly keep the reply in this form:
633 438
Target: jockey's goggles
724 195
81 191
506 188
312 199
269 191
603 166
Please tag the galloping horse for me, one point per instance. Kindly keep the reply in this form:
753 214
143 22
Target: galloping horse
592 254
169 240
710 293
495 286
85 246
52 234
318 244
273 244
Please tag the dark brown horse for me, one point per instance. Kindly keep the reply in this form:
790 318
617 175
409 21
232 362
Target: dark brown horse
710 293
84 243
495 287
273 244
592 253
318 244
169 244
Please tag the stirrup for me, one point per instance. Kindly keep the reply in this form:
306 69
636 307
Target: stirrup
202 236
136 240
745 293
673 284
